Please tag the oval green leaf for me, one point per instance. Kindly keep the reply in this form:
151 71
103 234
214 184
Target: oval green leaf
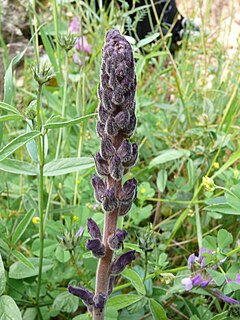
157 310
122 301
8 309
19 270
135 279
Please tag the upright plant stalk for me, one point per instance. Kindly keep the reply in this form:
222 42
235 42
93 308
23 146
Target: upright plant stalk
40 148
42 74
116 125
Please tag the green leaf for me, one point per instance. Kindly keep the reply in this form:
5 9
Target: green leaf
7 107
20 257
8 78
111 314
132 246
224 238
157 310
223 208
221 316
49 247
66 302
233 158
67 165
135 279
17 143
2 277
233 198
218 277
148 40
4 245
18 167
210 243
162 180
9 117
59 122
30 314
8 309
62 255
22 226
19 270
122 301
169 155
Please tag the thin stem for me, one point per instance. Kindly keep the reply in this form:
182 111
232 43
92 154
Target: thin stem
73 261
40 144
60 131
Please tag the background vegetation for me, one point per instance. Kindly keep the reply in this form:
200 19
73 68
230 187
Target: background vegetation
188 128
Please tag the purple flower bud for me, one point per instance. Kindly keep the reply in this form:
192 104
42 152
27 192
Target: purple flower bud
100 129
116 168
116 240
206 282
100 300
96 246
111 127
125 151
82 293
197 280
93 229
110 202
191 261
99 188
107 149
122 119
124 208
101 165
102 113
221 296
121 262
128 131
131 162
129 190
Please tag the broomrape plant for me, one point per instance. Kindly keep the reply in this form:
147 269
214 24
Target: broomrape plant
117 154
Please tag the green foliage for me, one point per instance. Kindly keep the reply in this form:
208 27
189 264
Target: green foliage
188 128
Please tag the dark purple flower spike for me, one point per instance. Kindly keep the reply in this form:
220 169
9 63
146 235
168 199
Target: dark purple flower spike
116 124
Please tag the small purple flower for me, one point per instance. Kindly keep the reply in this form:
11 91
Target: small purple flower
116 240
76 59
83 45
191 260
96 246
187 282
201 258
93 229
82 293
197 280
75 25
121 262
221 296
